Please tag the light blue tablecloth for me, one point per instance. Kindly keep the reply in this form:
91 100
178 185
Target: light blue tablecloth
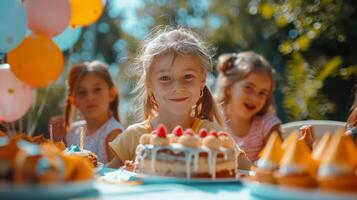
201 191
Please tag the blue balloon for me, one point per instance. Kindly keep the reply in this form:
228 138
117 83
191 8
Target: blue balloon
13 24
68 37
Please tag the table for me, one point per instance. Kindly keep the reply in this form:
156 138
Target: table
206 191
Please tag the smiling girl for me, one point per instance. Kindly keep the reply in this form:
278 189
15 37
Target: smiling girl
245 88
173 65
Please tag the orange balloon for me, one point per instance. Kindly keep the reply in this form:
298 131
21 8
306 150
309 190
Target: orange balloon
37 61
86 12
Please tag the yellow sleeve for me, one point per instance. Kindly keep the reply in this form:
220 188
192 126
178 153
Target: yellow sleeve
124 145
211 126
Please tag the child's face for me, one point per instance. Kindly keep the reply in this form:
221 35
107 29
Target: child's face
92 97
248 96
176 83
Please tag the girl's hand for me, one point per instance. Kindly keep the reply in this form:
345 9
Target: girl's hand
307 134
353 133
58 127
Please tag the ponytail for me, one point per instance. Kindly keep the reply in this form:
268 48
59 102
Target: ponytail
68 114
209 109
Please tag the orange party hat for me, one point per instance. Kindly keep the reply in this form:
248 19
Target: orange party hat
272 150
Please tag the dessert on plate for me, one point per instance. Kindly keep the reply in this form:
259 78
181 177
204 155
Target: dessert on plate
321 146
23 162
187 154
297 169
338 165
269 160
76 150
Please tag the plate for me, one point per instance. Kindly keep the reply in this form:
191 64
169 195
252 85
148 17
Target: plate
124 175
270 191
63 190
99 167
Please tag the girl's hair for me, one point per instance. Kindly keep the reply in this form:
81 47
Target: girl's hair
76 74
179 42
236 67
352 118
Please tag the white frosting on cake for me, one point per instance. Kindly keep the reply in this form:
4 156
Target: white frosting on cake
190 163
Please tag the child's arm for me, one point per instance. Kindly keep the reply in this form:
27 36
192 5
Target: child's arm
243 161
307 134
111 136
115 162
121 146
352 131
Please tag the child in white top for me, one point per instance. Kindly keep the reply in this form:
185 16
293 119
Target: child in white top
92 92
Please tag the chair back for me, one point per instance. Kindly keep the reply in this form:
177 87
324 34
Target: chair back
320 127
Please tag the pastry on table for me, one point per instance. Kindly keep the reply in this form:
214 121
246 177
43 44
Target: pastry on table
2 134
321 147
297 169
269 159
338 166
8 151
82 168
76 150
293 136
33 165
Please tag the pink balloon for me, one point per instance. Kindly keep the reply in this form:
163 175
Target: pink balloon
48 17
16 96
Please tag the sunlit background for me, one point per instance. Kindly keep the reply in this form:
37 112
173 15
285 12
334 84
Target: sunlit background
309 43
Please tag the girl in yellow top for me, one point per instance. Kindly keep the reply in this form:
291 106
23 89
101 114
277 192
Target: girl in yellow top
173 65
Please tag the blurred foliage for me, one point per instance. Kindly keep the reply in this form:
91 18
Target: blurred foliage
308 25
310 44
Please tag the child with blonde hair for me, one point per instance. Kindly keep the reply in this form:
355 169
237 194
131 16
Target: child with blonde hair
245 88
91 90
173 65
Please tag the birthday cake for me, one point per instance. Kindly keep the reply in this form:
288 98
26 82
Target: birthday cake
187 154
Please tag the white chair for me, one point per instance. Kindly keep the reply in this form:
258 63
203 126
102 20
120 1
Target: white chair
320 127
